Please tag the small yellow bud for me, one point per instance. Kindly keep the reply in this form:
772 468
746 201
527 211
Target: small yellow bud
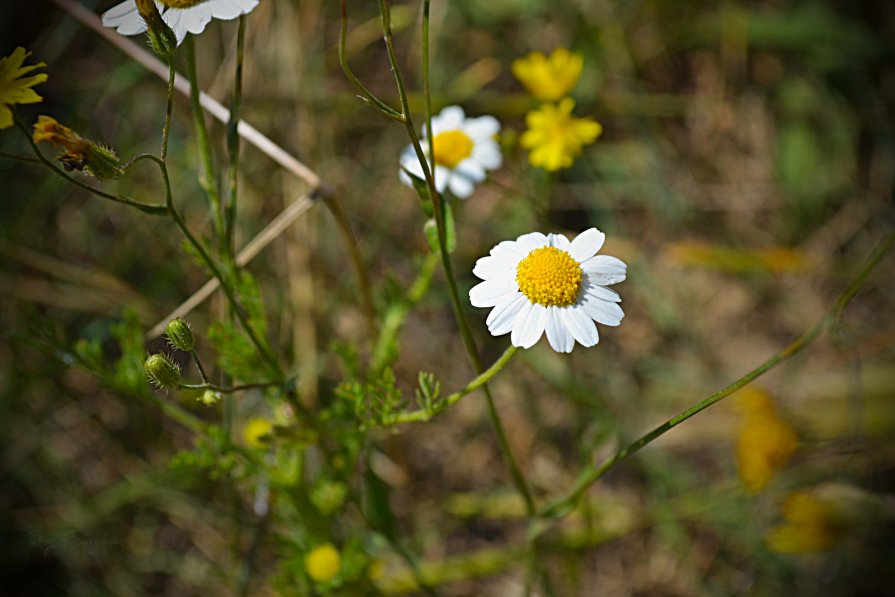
180 336
323 563
162 371
255 431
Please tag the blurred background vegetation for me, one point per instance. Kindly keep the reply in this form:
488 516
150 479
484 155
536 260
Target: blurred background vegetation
745 172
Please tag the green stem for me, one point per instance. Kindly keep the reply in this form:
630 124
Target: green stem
562 505
366 95
199 366
152 209
169 109
227 390
262 347
206 178
233 136
19 158
478 382
438 210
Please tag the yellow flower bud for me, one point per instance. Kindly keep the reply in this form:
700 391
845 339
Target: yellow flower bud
323 563
79 153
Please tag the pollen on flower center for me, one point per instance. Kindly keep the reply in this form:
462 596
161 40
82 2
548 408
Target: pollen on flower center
451 148
182 3
550 277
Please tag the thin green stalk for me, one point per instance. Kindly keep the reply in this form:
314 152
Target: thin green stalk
152 209
427 82
227 390
199 366
206 178
262 347
334 204
438 210
233 135
562 505
169 109
366 95
19 158
478 382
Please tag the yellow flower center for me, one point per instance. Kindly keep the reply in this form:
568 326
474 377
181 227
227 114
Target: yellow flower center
550 277
451 148
181 3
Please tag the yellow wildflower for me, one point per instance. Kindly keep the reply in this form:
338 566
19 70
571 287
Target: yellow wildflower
555 137
323 563
14 88
79 153
255 431
550 78
765 443
811 525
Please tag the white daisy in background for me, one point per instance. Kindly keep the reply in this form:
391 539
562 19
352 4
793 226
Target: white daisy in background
464 149
539 283
183 16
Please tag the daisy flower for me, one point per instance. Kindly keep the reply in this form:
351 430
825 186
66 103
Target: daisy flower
555 137
14 88
539 283
550 78
182 16
464 149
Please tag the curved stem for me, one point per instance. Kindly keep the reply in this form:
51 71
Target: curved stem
438 210
18 158
199 366
226 390
152 209
479 381
562 505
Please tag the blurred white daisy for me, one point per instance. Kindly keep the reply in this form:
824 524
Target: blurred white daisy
183 16
539 283
464 149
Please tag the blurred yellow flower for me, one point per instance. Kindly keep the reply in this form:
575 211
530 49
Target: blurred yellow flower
254 431
555 137
550 78
811 525
765 442
323 563
15 89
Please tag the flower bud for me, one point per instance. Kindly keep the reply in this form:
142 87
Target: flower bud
323 563
79 153
180 336
210 397
162 371
161 37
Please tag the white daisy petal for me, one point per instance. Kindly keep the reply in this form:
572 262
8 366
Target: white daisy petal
482 128
530 326
580 325
487 153
176 21
602 293
442 177
508 248
489 292
587 244
559 336
460 186
470 169
531 241
230 9
601 311
124 18
448 119
500 320
559 241
604 270
197 17
521 316
490 267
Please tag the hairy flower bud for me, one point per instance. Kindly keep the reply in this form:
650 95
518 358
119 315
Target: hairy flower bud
161 37
79 153
180 336
162 371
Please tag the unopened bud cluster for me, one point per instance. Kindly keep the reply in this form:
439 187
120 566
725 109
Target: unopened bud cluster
161 37
78 153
